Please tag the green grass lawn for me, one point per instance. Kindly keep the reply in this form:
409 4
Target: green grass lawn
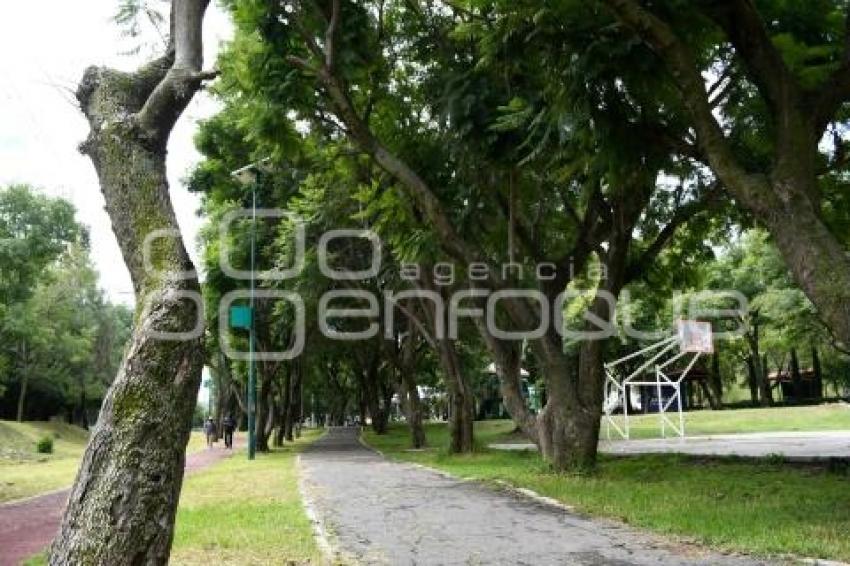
818 417
758 507
242 512
24 472
698 423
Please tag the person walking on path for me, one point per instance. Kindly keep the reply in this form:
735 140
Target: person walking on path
229 427
209 431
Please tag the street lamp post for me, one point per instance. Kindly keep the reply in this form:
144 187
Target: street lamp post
252 373
250 174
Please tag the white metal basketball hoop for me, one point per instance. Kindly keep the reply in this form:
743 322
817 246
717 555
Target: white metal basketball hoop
691 337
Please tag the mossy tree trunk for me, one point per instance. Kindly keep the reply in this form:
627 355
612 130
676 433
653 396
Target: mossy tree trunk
122 506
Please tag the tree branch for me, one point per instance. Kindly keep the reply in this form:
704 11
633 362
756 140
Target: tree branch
172 94
745 28
753 190
681 217
330 35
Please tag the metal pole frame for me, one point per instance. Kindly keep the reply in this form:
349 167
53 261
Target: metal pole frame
621 388
252 374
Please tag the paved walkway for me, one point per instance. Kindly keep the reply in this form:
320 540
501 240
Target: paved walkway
28 526
801 446
380 512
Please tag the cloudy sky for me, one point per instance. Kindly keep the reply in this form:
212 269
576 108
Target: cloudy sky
44 49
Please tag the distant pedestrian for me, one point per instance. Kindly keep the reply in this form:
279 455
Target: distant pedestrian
209 431
229 427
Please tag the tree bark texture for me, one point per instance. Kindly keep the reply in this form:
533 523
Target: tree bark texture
122 506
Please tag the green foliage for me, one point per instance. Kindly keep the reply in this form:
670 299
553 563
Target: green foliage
44 445
34 230
62 337
522 120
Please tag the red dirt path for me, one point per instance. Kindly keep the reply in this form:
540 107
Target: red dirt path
29 525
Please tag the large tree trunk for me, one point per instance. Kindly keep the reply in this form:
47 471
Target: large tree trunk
569 426
818 262
461 402
122 506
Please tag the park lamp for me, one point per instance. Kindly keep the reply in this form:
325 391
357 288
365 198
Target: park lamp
247 176
242 317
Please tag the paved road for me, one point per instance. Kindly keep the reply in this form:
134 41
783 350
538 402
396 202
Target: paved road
803 446
379 512
28 526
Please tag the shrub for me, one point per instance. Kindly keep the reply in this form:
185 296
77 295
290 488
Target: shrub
44 445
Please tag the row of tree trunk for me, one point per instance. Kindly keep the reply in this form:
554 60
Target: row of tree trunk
761 392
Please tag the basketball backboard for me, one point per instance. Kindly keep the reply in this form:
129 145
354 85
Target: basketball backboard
695 336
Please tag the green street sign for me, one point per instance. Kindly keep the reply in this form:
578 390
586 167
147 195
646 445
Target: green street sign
240 317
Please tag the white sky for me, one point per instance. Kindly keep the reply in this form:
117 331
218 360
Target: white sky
44 49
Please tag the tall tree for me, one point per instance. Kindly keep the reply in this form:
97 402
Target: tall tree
781 80
122 506
34 231
493 160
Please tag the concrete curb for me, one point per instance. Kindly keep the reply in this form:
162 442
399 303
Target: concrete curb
319 531
331 553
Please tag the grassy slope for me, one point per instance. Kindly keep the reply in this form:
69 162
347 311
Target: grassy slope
763 508
24 473
241 512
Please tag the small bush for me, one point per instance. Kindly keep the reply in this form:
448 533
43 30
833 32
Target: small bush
44 445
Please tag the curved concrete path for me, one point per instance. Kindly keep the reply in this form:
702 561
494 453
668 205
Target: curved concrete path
27 526
381 512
